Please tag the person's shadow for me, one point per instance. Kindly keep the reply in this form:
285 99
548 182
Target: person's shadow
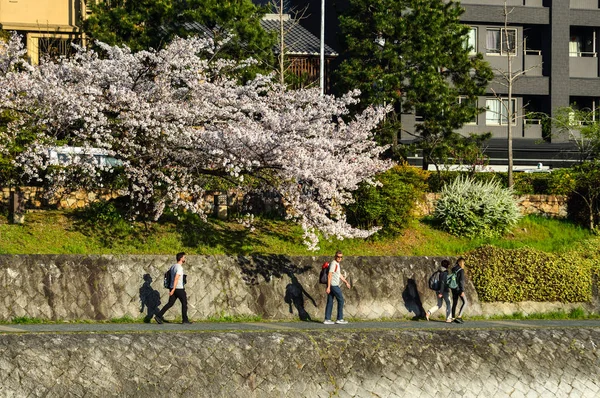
294 294
149 299
412 299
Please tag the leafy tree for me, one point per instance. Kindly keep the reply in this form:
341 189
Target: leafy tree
584 203
581 126
411 54
145 24
175 121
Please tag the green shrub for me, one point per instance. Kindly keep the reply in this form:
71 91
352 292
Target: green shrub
529 275
476 209
390 204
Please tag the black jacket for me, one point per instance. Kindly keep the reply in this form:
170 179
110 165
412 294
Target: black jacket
460 278
443 281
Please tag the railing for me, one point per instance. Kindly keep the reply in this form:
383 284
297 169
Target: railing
588 54
533 52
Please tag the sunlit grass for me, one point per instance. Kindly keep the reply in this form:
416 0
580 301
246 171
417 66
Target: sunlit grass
55 232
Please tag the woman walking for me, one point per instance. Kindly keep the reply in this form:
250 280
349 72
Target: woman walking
456 282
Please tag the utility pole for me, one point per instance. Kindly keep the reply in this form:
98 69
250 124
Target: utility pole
322 61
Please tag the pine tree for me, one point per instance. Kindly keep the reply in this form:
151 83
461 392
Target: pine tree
411 55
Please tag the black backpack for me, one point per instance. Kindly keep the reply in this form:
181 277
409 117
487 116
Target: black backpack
324 274
434 281
167 279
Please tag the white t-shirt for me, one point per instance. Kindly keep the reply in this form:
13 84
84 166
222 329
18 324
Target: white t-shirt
177 269
335 271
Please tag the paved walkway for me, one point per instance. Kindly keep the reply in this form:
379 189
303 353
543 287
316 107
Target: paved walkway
287 326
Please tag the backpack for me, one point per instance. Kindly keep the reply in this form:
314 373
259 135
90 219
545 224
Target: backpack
434 281
324 274
167 279
451 281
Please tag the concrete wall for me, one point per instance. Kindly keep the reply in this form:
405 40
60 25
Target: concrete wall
345 363
73 287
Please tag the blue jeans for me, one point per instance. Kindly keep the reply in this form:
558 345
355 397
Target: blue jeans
336 292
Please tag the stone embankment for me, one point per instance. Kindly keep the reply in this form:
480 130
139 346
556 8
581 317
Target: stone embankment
341 363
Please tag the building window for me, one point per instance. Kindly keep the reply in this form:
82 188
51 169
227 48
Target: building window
470 42
501 41
471 104
55 47
498 111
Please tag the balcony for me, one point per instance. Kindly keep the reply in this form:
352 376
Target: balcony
533 63
532 128
583 65
584 4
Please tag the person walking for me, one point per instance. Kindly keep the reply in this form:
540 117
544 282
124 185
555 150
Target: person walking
443 293
177 290
334 291
456 282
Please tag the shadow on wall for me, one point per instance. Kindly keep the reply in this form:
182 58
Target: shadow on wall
412 299
149 298
294 294
277 266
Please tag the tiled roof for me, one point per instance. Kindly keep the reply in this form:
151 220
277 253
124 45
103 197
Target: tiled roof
298 40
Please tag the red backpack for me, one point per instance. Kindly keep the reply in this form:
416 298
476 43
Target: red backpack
324 274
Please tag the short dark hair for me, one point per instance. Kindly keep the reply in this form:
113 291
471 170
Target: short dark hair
179 256
445 263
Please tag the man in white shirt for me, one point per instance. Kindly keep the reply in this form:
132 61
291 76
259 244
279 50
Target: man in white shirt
177 290
334 291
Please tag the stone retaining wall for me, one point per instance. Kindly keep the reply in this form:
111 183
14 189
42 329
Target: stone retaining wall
545 205
548 205
344 363
76 287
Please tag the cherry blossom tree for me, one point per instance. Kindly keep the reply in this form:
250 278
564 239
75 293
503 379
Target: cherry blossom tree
177 119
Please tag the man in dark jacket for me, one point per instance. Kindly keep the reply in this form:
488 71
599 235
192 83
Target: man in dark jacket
443 293
458 289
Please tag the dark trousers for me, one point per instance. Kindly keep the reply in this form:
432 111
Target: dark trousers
179 294
335 292
455 298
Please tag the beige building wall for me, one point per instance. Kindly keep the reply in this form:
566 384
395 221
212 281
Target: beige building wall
53 20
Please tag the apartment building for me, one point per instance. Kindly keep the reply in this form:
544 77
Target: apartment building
48 26
554 42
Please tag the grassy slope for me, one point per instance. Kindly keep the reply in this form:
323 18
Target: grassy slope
54 232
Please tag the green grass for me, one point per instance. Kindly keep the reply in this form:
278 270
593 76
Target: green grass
575 313
57 232
25 320
222 317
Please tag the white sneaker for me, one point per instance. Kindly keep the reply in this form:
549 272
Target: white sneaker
328 322
341 322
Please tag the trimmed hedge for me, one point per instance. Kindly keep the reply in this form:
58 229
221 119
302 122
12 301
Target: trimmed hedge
514 275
